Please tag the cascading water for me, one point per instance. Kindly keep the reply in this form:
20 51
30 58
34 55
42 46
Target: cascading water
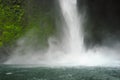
74 54
73 36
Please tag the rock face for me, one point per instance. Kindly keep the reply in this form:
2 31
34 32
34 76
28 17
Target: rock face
103 19
4 53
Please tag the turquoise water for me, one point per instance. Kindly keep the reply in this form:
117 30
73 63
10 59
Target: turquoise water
44 73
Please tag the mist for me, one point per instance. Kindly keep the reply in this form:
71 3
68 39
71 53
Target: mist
80 40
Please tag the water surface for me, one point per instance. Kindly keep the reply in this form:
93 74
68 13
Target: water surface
45 73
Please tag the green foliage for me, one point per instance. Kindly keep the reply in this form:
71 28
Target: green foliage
33 18
11 14
10 33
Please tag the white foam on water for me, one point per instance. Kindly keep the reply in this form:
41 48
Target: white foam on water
9 73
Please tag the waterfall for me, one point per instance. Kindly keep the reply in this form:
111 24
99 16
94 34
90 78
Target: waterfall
73 34
74 53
